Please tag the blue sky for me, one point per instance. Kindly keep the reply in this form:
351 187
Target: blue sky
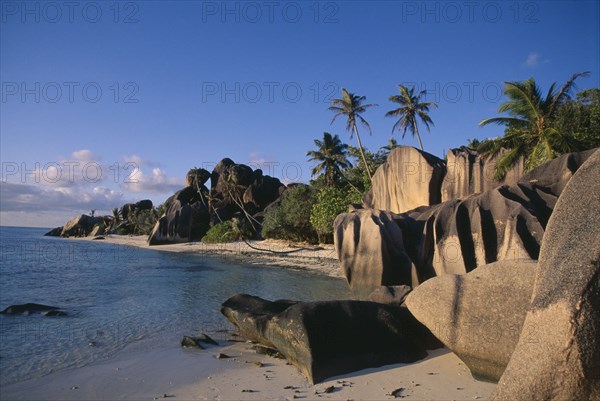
104 103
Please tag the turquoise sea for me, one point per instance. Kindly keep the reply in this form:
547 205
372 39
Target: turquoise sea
119 297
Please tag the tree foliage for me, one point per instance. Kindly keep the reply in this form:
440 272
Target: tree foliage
531 129
291 219
330 202
331 158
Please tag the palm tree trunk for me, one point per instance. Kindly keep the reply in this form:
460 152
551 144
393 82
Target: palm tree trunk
362 153
418 136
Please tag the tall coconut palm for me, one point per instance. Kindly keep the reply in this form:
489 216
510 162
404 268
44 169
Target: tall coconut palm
411 110
331 155
531 131
351 106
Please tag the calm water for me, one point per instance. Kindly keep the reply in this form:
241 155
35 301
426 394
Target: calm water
118 296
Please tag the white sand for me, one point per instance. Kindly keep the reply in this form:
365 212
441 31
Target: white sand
186 374
190 374
317 258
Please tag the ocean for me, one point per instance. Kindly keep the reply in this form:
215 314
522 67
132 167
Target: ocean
121 299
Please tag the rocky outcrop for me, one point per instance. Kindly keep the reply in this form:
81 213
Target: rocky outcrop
469 173
185 220
82 225
235 189
134 218
408 179
558 351
456 236
324 339
479 316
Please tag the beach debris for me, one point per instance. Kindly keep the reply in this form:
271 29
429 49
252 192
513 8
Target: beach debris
460 388
329 389
259 364
249 391
290 388
220 355
431 373
205 339
190 342
397 393
345 383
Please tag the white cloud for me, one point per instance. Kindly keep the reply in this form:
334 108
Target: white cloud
84 155
155 182
534 59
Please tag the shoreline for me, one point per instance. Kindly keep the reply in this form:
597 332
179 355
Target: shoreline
321 259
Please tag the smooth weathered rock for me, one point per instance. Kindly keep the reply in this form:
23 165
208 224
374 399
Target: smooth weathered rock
324 339
81 226
390 294
408 179
196 177
370 248
186 219
558 354
453 237
27 309
191 342
469 173
479 315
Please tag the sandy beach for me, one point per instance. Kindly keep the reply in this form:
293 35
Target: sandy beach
169 371
191 374
321 259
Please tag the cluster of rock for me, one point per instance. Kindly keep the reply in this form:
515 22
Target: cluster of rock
468 270
406 247
235 191
532 326
131 218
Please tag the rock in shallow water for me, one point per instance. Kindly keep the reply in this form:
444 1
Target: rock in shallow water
27 309
479 315
324 339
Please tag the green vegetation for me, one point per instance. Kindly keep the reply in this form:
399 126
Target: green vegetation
411 109
291 220
227 231
532 130
331 155
330 202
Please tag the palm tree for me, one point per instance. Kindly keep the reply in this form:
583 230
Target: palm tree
530 127
331 155
392 144
351 106
410 111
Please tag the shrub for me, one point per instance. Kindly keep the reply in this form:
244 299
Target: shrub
330 202
291 219
228 231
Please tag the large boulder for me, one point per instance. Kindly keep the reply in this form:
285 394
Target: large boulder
408 179
81 226
196 177
324 339
479 315
469 173
186 218
558 353
370 247
263 191
381 248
